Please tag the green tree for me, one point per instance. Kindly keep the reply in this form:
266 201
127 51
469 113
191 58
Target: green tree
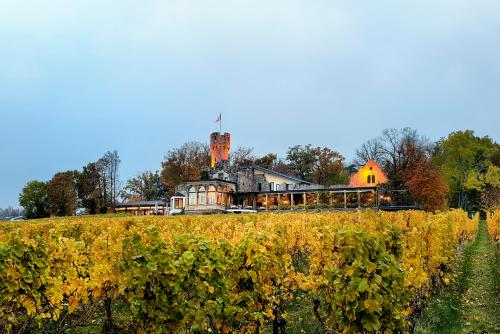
89 188
62 194
319 165
146 186
302 161
267 161
464 158
34 199
329 168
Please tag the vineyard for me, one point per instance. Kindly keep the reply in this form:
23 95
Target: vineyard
352 272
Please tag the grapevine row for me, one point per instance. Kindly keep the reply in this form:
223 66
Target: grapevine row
362 271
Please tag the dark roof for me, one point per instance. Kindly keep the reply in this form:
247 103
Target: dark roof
211 181
270 171
178 194
143 203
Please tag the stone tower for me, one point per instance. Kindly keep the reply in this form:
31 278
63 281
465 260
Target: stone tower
220 144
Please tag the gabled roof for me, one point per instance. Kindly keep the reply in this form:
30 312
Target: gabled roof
285 176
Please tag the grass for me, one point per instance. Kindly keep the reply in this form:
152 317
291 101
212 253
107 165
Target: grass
470 303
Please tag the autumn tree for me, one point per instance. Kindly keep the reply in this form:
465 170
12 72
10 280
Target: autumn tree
464 159
271 161
184 164
62 194
425 180
490 192
34 199
146 186
319 165
329 168
391 151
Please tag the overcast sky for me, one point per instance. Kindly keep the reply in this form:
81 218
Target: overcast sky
79 77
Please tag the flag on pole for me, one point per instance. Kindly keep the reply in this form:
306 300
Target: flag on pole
219 120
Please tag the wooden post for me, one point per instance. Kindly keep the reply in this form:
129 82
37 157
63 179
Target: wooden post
345 199
291 201
304 196
359 199
267 202
331 198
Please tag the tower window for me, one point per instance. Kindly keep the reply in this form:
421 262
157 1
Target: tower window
369 179
373 178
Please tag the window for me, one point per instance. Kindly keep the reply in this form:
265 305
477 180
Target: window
369 179
277 187
373 178
202 196
192 196
259 187
212 198
271 186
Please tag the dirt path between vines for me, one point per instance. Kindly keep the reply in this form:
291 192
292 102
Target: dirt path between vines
470 304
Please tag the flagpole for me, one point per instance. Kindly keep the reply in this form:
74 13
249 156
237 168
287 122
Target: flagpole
220 123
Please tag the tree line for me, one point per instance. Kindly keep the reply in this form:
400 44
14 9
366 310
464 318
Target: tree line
94 188
10 212
461 170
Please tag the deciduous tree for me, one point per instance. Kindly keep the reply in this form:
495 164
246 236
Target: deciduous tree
425 181
34 199
329 168
146 186
62 194
463 157
184 164
242 156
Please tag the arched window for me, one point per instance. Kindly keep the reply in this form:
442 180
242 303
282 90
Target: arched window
202 196
212 198
192 196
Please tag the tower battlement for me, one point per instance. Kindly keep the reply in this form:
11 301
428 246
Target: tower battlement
220 144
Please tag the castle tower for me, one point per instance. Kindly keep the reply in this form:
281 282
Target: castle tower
220 144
